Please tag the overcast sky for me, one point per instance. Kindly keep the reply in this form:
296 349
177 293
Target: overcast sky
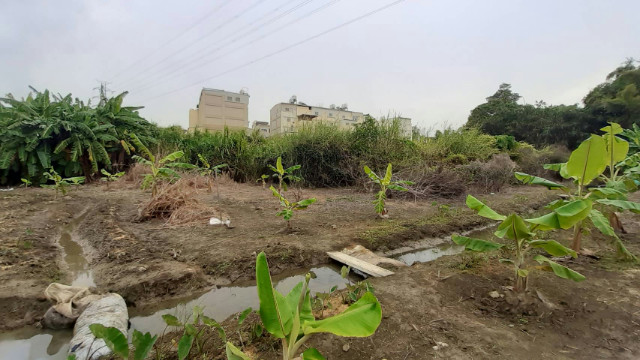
432 61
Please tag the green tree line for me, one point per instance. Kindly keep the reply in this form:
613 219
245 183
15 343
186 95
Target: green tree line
615 100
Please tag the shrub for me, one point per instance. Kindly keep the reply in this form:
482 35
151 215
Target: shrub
430 182
531 161
490 176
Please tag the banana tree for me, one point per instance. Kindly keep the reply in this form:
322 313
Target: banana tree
524 235
160 168
289 207
586 164
384 184
290 318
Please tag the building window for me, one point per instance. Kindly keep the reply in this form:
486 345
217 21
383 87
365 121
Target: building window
355 118
238 99
286 109
288 119
317 113
330 114
229 98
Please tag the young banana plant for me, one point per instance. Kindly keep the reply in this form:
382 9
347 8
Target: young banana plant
587 163
160 168
289 207
60 184
109 177
523 234
283 174
290 318
209 171
385 183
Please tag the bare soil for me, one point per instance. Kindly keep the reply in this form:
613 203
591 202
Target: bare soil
443 301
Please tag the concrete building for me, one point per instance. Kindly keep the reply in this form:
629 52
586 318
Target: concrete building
218 108
262 127
403 123
287 118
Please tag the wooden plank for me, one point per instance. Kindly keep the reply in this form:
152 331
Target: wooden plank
365 267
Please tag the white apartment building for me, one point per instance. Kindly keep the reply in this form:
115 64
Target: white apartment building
287 118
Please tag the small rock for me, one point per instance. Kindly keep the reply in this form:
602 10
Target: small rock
142 268
494 294
334 226
440 345
345 347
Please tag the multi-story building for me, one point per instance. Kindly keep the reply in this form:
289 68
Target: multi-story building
403 123
262 127
218 108
287 118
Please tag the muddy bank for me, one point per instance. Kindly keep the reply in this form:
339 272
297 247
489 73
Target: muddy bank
148 261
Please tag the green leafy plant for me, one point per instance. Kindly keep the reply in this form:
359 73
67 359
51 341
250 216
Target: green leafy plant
160 168
289 207
196 330
283 175
109 177
586 164
210 172
321 300
263 179
384 183
289 317
524 235
60 184
25 182
117 342
354 290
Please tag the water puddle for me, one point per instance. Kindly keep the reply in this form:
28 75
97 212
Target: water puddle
78 267
438 248
220 303
30 343
430 254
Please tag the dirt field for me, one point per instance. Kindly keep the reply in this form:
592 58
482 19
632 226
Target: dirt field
443 301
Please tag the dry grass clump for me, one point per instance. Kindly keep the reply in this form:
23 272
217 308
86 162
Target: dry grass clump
135 174
490 176
431 183
177 204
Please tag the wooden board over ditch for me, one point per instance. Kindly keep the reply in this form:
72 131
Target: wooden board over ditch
365 267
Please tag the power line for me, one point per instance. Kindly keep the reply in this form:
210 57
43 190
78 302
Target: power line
153 52
279 51
181 70
213 31
146 83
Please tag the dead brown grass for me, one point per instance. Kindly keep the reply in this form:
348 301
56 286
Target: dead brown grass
136 173
178 205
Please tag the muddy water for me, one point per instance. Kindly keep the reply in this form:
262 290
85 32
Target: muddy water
218 303
74 258
446 247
